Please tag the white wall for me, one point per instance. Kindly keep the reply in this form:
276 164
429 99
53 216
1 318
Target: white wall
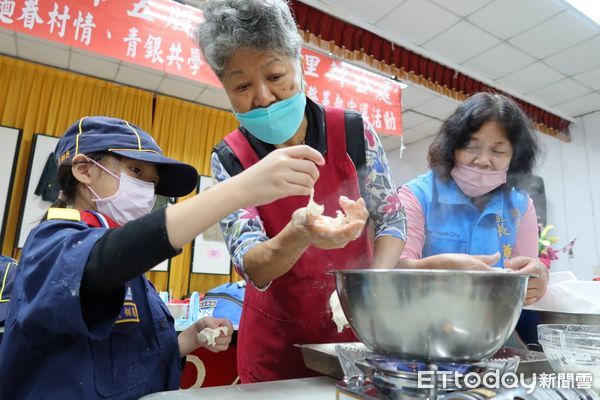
591 124
571 175
413 162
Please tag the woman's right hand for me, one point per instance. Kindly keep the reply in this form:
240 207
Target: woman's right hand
289 171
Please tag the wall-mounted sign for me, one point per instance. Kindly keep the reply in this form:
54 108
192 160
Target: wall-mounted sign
152 33
340 84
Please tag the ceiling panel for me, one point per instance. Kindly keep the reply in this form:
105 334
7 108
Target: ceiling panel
555 34
431 127
413 96
214 98
95 55
366 10
462 7
42 41
532 77
412 136
499 61
8 44
506 18
42 53
187 90
582 105
439 107
590 78
560 92
411 119
391 142
417 21
133 76
518 46
5 31
93 66
461 42
578 58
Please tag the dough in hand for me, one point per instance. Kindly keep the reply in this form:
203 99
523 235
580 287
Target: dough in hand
208 335
338 317
316 210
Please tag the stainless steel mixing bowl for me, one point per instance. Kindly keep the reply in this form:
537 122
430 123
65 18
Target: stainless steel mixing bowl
432 315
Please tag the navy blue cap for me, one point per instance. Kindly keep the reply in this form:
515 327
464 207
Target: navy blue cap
113 135
8 269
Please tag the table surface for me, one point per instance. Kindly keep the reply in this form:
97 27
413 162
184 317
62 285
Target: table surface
319 388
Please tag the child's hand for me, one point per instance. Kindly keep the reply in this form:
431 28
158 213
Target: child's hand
189 340
214 334
289 171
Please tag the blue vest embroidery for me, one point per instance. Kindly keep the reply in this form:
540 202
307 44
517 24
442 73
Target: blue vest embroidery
454 225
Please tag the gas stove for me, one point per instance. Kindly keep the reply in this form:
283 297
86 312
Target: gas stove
367 376
393 379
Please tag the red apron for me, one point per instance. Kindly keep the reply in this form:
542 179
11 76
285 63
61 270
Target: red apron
295 308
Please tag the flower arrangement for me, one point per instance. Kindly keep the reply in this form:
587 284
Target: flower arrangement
546 252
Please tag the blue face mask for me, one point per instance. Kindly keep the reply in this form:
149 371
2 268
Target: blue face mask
277 123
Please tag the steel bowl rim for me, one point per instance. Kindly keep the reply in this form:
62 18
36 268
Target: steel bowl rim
431 272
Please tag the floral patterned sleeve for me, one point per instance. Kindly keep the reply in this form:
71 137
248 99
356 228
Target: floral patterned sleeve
242 229
381 196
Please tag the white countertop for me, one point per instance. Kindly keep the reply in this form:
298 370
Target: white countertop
320 388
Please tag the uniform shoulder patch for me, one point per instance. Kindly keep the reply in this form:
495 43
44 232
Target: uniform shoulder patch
64 213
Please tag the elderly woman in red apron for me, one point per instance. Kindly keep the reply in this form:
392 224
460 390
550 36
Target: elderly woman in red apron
253 46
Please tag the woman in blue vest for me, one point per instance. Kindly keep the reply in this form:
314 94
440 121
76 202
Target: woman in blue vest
470 202
84 322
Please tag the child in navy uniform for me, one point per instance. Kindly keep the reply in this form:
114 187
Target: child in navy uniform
84 322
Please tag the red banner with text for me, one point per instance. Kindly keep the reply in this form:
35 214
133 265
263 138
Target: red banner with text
152 33
337 83
158 34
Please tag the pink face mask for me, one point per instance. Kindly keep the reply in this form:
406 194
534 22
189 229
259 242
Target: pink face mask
134 198
475 182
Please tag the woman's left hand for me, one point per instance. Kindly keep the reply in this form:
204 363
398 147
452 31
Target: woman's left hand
189 341
536 287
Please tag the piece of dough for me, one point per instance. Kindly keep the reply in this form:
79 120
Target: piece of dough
208 335
338 317
340 219
313 208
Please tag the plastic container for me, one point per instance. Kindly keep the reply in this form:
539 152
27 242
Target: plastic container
572 349
194 307
178 310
